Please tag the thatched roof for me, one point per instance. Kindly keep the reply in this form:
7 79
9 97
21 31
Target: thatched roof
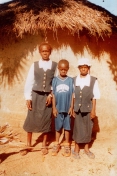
21 17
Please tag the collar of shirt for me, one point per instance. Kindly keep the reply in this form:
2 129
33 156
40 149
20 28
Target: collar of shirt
84 81
45 64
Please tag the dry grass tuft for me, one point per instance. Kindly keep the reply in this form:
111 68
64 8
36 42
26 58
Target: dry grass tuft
7 134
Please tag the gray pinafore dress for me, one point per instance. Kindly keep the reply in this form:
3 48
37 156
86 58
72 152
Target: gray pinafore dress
39 119
83 124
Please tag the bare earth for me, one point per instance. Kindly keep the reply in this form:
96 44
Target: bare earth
35 164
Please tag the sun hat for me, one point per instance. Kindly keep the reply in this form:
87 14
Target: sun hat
84 61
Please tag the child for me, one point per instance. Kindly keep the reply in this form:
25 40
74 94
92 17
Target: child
38 96
86 93
62 95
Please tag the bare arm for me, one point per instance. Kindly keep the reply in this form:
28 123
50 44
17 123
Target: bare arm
49 99
93 111
71 110
55 112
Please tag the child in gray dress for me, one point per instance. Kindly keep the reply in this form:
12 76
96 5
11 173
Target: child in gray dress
38 96
86 93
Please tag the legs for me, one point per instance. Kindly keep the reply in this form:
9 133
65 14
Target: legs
82 131
56 146
67 150
45 135
77 148
44 147
86 148
86 151
76 151
29 138
67 133
58 133
29 141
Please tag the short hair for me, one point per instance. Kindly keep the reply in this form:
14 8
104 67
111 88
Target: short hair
45 43
63 61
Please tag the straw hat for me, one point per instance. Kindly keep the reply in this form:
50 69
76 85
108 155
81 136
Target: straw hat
84 61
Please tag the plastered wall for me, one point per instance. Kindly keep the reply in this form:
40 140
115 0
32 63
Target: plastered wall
17 57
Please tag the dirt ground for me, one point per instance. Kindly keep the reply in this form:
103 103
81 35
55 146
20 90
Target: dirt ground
35 164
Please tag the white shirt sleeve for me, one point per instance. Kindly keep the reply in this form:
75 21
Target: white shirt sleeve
96 91
29 84
55 74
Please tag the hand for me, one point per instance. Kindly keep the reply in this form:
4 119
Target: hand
48 100
92 114
55 112
70 112
29 104
73 113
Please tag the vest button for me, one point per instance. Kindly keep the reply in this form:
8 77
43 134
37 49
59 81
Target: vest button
44 77
43 85
80 92
44 74
79 104
80 96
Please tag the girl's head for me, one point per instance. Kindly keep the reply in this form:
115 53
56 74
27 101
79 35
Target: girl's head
45 50
84 66
63 67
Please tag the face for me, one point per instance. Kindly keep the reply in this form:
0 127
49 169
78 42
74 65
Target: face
63 69
84 69
45 52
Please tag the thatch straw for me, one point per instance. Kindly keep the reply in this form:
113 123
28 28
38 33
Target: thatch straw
30 17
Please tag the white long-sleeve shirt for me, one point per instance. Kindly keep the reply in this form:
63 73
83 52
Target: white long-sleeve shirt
30 78
85 81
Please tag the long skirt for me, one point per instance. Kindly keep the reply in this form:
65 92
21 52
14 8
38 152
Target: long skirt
82 129
39 119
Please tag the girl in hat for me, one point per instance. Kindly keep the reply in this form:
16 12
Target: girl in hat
86 93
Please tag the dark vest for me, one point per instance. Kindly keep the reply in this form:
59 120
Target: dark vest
83 98
43 79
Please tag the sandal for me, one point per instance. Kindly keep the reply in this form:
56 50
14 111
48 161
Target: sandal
24 152
55 149
75 155
90 154
67 150
44 150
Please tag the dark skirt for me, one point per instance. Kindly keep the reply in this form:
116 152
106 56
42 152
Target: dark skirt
39 119
82 129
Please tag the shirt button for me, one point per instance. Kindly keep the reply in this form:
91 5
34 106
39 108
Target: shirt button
44 74
43 81
88 106
43 85
80 96
80 92
44 77
79 104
